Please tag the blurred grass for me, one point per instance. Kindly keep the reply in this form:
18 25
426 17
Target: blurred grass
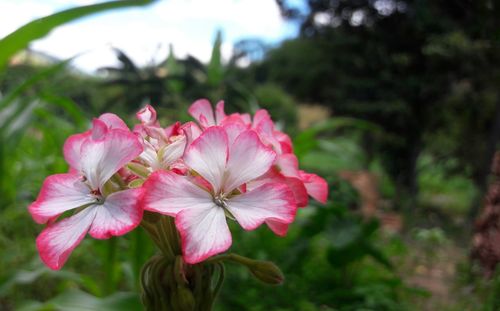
452 194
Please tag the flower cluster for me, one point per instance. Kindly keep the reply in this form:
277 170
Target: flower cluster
223 166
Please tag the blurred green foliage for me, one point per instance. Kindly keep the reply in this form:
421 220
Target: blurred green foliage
389 120
427 72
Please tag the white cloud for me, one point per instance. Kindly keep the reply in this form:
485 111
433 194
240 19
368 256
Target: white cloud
145 33
14 14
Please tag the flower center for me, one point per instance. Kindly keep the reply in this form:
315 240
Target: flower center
220 200
98 196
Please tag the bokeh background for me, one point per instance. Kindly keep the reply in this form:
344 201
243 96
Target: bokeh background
396 103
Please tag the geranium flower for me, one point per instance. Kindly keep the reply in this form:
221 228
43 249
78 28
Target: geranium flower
200 204
162 147
314 185
202 111
286 164
100 207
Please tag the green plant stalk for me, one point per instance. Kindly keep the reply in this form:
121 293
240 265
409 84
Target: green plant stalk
137 251
167 282
109 267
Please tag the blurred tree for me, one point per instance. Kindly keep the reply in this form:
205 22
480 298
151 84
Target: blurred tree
175 82
416 67
280 105
131 85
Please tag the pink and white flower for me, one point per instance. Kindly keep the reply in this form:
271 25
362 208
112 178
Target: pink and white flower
163 148
286 163
100 207
202 111
225 166
200 208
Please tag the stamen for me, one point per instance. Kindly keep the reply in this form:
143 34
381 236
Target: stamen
220 200
98 196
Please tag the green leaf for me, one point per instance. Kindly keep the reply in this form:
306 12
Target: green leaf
76 300
23 278
340 257
370 227
17 118
378 256
215 70
69 106
39 28
39 76
344 233
15 112
306 141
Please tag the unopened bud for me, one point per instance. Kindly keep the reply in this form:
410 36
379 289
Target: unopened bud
266 272
138 169
147 115
136 183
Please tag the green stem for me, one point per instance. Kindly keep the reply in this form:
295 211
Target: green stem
138 251
230 257
109 266
174 235
198 290
166 237
156 237
220 281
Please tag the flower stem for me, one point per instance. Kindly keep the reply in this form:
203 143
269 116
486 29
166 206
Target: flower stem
230 257
109 266
156 237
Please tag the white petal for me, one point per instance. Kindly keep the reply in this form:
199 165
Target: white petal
104 157
173 151
207 155
191 131
57 241
113 121
120 213
72 149
59 193
220 115
248 159
233 130
149 156
288 164
168 193
203 112
204 232
270 201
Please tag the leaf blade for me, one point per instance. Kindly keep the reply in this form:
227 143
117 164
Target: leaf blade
20 38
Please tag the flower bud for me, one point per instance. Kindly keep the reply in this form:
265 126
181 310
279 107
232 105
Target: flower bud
266 272
138 169
136 183
147 115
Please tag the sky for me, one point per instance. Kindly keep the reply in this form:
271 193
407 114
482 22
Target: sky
144 33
